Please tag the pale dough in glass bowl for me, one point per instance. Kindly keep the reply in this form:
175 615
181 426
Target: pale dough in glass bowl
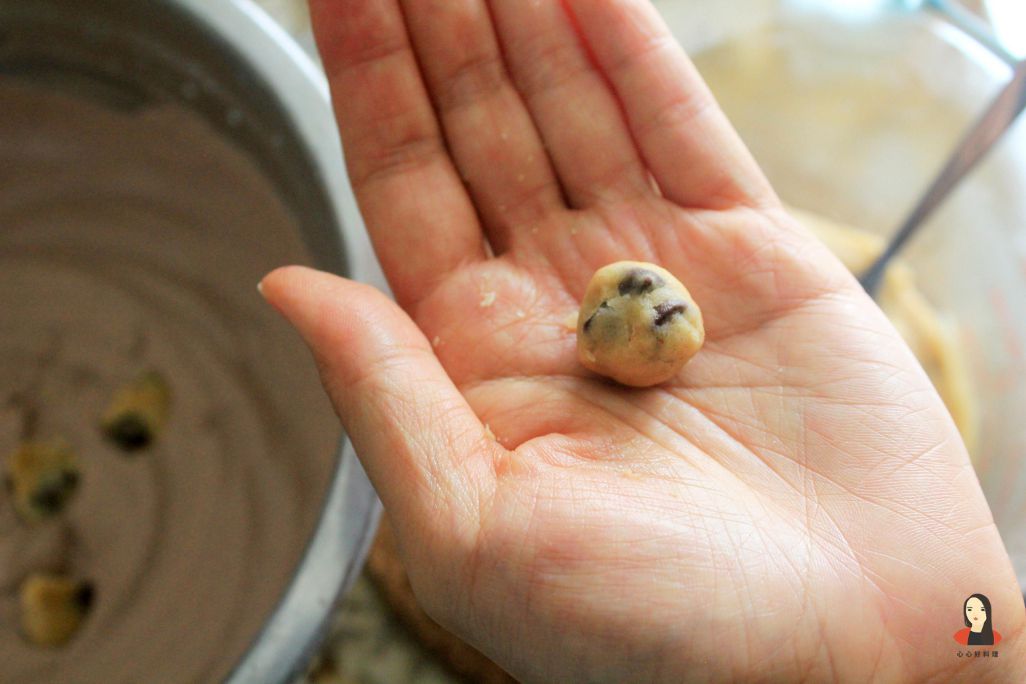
931 334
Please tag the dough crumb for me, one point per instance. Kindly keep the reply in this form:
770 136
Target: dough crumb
41 477
436 342
487 299
520 313
138 412
570 321
53 607
489 433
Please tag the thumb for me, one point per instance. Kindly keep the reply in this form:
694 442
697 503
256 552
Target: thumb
421 444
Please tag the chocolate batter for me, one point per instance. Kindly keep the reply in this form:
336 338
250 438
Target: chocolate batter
132 241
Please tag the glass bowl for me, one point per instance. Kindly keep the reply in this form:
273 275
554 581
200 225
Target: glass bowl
851 108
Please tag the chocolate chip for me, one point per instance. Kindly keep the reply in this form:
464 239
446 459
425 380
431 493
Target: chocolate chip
130 432
85 596
50 497
666 311
639 281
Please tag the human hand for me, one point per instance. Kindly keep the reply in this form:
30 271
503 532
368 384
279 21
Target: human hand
797 504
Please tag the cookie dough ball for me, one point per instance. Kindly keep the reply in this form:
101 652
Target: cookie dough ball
137 412
638 324
41 478
53 607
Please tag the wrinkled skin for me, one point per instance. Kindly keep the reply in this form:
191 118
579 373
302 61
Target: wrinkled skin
795 505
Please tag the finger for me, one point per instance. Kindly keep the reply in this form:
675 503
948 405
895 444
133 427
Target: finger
421 444
420 219
697 158
572 105
489 132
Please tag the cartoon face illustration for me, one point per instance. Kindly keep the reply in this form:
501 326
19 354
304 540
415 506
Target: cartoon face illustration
975 614
979 627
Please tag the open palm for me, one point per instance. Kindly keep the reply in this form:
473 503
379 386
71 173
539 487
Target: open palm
796 504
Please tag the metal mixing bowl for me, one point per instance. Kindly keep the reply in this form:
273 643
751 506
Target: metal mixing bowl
228 61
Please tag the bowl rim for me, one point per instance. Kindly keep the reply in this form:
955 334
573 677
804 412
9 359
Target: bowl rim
336 550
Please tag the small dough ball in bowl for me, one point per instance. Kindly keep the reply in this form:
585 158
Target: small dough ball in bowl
53 607
638 324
